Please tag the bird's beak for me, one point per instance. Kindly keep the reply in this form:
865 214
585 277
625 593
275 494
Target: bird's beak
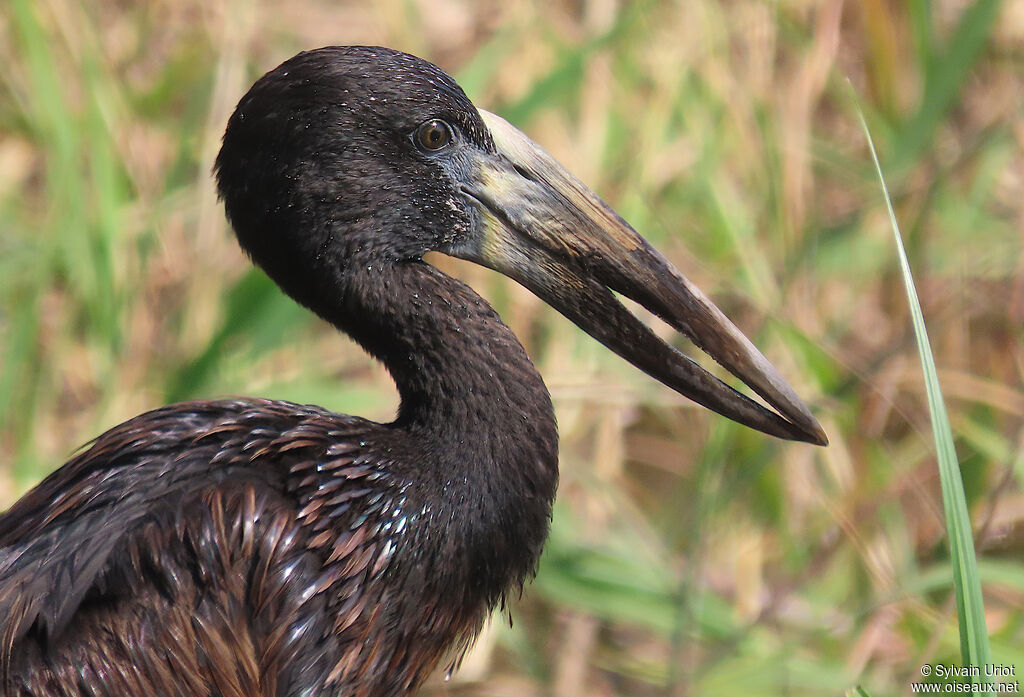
541 226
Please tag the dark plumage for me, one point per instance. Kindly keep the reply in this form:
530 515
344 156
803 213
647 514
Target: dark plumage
251 547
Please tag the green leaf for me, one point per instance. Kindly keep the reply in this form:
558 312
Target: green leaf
974 642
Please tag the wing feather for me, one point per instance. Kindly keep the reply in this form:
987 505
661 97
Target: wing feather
101 525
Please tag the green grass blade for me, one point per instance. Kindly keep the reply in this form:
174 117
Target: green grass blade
974 643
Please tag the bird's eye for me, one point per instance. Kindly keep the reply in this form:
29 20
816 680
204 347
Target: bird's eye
433 135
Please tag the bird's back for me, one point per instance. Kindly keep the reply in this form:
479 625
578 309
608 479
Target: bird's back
175 556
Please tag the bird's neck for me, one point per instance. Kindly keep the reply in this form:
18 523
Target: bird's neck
467 386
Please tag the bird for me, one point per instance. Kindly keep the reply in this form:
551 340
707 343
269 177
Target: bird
245 546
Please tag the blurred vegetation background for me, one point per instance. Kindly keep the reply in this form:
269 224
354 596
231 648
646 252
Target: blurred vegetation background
688 556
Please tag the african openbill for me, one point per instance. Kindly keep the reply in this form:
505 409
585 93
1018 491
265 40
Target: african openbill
252 547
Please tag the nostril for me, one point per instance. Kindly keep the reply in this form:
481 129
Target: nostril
523 172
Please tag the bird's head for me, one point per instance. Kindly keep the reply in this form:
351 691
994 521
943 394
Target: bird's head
364 156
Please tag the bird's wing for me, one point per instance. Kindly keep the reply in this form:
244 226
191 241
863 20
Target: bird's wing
86 529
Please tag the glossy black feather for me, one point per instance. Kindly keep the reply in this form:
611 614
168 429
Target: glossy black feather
287 520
